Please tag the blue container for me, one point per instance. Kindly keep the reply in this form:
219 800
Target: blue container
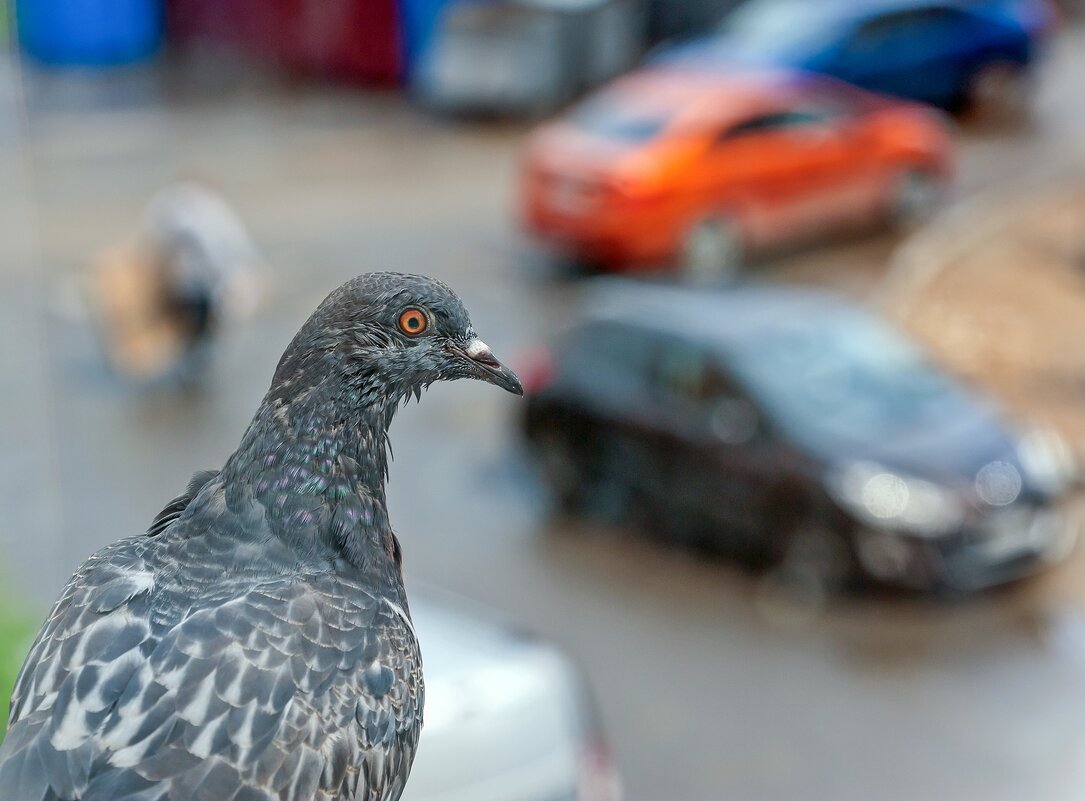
89 32
418 21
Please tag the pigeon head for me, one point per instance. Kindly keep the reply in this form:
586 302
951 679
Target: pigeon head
387 336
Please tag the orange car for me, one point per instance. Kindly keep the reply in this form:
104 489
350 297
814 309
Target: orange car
665 167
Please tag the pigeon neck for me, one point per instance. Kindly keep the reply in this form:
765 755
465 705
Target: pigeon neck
317 464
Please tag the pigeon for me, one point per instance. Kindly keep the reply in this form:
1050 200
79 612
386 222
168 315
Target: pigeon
255 644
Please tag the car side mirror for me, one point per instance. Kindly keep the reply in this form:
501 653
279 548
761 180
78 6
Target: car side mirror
735 421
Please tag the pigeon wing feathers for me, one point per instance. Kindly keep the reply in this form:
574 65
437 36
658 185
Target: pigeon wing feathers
292 690
175 507
81 639
106 581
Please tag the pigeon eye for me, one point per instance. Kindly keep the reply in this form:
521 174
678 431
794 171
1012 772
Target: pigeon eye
413 322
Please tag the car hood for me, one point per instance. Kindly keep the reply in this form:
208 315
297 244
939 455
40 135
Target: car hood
951 450
502 717
562 148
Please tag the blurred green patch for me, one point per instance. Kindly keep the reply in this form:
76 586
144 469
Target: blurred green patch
17 630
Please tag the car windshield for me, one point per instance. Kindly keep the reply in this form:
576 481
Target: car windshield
773 26
610 118
844 376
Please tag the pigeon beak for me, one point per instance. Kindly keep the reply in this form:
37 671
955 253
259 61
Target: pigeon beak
488 368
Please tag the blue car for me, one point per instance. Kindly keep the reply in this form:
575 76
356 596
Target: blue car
955 54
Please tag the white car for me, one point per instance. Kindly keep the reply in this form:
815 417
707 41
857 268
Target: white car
507 718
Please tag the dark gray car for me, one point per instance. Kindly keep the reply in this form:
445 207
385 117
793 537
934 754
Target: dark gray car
792 427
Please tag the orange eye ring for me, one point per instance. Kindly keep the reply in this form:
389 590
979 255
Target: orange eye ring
413 322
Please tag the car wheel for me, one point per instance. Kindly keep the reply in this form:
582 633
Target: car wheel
816 563
713 252
916 196
998 92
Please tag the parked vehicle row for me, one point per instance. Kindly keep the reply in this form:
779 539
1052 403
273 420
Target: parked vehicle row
788 428
794 120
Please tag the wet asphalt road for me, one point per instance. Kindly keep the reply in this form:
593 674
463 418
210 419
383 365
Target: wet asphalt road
709 689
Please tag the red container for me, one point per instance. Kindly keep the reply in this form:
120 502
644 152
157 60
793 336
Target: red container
353 39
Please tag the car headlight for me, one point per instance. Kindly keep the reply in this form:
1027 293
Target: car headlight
1048 460
884 498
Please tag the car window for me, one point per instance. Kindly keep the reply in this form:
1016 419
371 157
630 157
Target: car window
915 30
937 27
778 121
874 34
608 359
682 372
944 27
699 396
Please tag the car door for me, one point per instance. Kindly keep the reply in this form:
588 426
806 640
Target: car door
853 169
784 172
614 411
914 54
723 468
